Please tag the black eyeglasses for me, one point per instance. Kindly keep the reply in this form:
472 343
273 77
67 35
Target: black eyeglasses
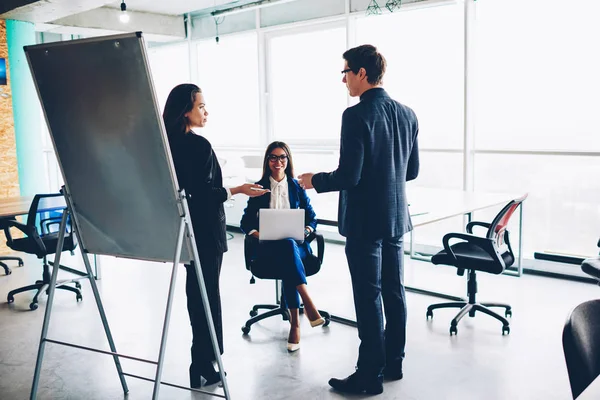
274 158
346 70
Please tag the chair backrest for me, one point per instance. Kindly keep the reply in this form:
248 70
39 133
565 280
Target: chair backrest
581 345
500 222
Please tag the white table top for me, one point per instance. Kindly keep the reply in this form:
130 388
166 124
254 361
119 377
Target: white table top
427 205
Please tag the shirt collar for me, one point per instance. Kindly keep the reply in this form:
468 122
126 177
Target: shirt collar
373 93
274 183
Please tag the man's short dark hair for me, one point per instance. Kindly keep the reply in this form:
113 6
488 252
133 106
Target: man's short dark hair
369 58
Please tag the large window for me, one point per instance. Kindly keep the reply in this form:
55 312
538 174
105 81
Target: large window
537 98
170 66
228 76
538 81
306 93
424 51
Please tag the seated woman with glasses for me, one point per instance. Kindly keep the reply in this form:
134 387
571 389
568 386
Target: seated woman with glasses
287 255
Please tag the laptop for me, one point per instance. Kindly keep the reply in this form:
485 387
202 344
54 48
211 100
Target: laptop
281 224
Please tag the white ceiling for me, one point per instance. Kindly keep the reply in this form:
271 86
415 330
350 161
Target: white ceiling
172 7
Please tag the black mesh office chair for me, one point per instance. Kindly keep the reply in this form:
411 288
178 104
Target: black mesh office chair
41 244
312 265
7 270
491 254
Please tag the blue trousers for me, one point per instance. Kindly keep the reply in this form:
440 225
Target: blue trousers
286 256
376 268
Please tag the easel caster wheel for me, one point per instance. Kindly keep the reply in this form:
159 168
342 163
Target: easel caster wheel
508 313
327 321
21 263
253 313
453 330
245 329
33 306
79 298
429 314
505 330
10 299
78 285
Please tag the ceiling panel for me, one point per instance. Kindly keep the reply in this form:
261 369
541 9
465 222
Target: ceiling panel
174 7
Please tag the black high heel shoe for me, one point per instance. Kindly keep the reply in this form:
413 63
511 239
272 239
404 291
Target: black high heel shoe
208 372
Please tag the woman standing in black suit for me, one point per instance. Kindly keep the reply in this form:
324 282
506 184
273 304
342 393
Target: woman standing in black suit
199 173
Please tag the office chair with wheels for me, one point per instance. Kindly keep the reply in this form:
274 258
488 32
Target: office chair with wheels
312 265
491 254
41 244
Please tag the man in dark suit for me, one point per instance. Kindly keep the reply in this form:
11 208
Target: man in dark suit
378 155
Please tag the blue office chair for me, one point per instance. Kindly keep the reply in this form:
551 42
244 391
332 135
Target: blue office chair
42 244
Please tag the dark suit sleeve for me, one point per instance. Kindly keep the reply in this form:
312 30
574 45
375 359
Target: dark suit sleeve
250 218
412 170
350 166
205 162
310 218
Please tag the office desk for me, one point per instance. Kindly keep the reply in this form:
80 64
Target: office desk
427 206
11 207
592 392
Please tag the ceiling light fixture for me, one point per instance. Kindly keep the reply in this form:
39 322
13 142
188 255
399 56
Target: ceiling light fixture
124 16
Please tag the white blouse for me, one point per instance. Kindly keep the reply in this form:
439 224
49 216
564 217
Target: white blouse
279 194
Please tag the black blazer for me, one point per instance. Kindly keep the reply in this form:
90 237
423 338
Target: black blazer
378 154
298 199
199 173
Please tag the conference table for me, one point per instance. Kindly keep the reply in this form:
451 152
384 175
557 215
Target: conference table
428 206
11 207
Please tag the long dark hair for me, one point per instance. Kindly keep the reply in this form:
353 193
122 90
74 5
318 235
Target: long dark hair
289 169
180 101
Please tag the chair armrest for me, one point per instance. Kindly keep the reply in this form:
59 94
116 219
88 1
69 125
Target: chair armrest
320 244
250 243
471 224
484 243
591 266
27 230
47 222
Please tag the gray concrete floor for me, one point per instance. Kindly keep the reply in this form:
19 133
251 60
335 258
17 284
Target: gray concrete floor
479 363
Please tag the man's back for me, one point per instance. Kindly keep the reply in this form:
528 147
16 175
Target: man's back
379 153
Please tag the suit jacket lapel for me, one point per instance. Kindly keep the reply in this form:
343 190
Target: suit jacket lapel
265 198
292 193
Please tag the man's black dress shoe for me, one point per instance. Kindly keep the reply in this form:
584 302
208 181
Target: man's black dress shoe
393 372
357 384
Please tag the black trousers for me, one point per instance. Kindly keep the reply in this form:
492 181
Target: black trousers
202 350
376 267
